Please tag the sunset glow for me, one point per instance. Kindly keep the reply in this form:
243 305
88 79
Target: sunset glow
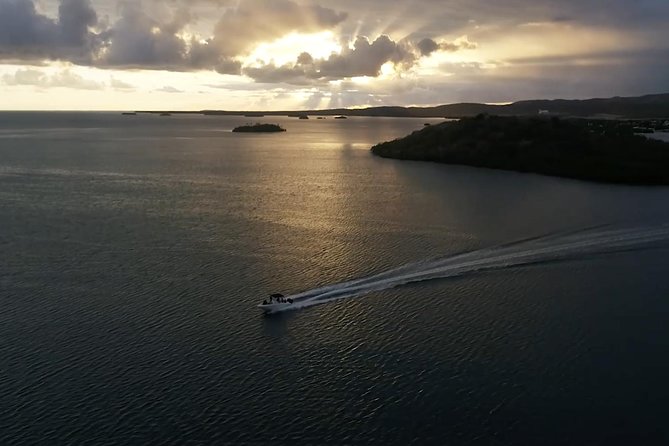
288 48
108 54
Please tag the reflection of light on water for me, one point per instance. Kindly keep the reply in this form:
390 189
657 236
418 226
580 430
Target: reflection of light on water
525 252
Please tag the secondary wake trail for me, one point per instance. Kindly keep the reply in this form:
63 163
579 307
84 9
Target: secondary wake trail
549 248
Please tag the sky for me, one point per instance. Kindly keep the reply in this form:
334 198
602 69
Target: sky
314 54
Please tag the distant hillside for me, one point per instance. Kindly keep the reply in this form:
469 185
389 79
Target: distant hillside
650 106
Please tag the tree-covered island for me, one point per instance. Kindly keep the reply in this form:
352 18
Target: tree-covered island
597 150
259 128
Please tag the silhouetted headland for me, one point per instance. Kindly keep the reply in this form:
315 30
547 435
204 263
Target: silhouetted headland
259 128
597 150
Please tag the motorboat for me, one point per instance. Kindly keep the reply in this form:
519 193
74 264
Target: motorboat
276 302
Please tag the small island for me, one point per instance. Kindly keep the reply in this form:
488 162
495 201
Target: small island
259 128
595 150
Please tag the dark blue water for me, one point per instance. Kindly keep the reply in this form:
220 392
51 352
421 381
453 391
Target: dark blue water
134 250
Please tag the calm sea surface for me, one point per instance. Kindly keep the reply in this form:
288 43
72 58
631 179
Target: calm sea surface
134 249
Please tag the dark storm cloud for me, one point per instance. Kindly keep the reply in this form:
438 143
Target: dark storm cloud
27 34
137 40
75 18
428 46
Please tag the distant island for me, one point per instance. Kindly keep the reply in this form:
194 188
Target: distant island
259 128
596 150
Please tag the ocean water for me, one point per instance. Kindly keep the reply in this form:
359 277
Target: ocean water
438 304
662 136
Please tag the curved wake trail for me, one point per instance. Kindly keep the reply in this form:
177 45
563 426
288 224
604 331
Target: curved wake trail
525 252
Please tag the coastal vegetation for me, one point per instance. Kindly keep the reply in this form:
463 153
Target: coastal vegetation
259 128
598 150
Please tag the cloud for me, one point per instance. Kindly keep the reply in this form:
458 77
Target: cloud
138 40
27 34
25 77
205 55
63 79
271 74
68 79
119 85
302 72
75 18
169 89
366 58
428 46
363 58
255 21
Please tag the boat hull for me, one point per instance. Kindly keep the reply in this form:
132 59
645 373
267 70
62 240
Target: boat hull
273 308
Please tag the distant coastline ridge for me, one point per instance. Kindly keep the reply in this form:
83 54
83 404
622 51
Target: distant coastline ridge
654 106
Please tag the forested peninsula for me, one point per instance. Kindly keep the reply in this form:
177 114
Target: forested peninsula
596 150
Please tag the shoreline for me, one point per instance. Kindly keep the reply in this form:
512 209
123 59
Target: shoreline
589 150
